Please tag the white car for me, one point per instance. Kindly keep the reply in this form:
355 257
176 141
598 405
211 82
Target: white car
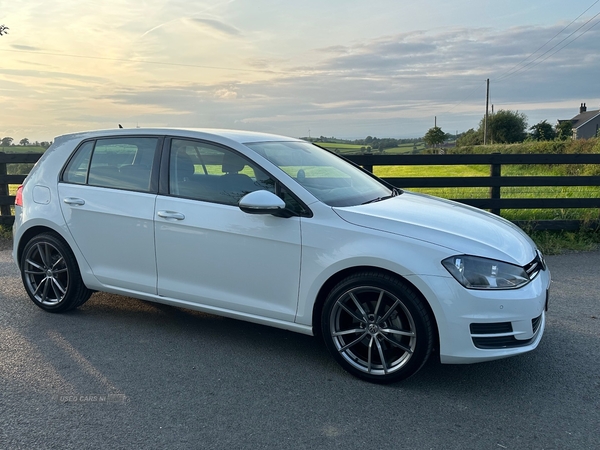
278 231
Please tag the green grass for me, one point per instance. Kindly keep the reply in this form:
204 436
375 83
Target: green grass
334 145
354 149
5 232
557 242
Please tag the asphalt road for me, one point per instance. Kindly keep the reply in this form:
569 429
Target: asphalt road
122 373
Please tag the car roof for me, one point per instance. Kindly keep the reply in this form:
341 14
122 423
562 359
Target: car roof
238 136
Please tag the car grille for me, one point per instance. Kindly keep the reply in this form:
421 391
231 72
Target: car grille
491 328
535 266
500 334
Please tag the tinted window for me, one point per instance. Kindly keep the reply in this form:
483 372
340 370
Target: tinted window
124 163
77 169
202 171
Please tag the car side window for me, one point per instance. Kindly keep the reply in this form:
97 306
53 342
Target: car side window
206 172
122 163
77 169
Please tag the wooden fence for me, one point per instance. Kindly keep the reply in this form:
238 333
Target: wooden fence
7 200
494 202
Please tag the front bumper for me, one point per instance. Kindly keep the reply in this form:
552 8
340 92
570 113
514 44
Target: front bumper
484 325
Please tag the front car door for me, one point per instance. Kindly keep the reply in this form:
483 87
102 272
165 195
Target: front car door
211 253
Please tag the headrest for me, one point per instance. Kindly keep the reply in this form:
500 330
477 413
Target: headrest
184 165
232 163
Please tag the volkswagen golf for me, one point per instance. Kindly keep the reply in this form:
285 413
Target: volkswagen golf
280 232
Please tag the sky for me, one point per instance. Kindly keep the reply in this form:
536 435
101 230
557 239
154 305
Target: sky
335 68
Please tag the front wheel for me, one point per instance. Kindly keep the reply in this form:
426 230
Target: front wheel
377 327
50 274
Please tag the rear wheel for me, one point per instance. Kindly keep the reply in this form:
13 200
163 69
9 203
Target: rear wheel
377 327
50 274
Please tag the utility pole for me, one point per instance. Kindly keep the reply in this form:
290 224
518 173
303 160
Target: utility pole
492 137
487 102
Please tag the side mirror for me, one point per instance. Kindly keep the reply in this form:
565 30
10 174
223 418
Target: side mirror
262 202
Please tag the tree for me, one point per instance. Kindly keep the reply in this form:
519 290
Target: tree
542 131
7 141
506 127
470 138
434 136
24 141
3 30
564 130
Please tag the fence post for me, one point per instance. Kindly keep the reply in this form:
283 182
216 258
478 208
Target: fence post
369 165
495 172
4 209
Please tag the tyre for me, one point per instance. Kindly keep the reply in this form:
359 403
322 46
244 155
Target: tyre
50 274
377 327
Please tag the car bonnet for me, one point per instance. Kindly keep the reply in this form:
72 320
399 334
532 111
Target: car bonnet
462 228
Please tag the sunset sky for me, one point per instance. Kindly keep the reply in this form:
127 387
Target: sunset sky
343 68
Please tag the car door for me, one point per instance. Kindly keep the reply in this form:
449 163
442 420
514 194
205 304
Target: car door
107 195
211 253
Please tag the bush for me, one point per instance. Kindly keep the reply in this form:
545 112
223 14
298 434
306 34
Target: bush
556 147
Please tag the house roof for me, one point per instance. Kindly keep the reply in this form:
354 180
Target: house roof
584 117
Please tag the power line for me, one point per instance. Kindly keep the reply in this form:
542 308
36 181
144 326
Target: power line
568 43
508 73
512 71
467 97
552 48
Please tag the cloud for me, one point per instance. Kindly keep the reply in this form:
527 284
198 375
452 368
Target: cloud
28 48
215 25
226 94
396 83
271 80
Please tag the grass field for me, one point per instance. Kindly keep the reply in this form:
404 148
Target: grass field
352 149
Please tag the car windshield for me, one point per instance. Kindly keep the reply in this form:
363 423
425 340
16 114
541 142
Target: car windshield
329 178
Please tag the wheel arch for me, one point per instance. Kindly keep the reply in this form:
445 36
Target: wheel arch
33 232
339 276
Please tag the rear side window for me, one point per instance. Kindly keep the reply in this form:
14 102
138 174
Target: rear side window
122 163
77 169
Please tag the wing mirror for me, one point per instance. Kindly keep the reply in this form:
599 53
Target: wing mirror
262 202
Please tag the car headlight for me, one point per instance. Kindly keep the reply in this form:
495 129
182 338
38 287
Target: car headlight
474 272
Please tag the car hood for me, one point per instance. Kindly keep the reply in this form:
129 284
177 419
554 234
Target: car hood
461 228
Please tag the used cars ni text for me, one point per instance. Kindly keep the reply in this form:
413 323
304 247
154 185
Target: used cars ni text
280 232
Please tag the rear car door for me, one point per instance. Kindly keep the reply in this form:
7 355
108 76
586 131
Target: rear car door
107 195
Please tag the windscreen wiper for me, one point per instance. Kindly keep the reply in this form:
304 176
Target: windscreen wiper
395 192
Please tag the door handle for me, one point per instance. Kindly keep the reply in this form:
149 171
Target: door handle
73 201
171 215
